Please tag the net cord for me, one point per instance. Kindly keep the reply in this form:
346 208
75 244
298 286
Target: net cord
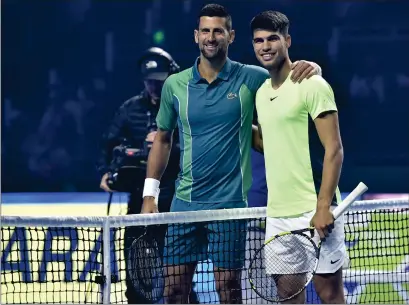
175 217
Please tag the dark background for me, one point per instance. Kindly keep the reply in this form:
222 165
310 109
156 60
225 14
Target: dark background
68 65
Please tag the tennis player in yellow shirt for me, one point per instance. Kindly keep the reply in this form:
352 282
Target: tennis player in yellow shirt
299 133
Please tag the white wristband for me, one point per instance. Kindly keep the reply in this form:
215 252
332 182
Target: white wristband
151 188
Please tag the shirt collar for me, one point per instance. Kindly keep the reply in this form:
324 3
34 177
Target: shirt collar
223 74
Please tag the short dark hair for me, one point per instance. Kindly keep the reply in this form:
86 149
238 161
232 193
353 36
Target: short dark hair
271 21
215 10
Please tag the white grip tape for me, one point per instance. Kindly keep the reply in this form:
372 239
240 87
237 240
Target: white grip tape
350 199
151 188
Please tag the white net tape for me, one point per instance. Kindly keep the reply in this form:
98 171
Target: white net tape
176 217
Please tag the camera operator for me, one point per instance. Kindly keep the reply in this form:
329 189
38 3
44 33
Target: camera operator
126 146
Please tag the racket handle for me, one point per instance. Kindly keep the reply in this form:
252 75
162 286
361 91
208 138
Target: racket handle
350 199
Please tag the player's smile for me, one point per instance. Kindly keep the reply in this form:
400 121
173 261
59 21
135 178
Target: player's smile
268 56
210 47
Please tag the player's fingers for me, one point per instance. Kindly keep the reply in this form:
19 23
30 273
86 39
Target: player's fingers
311 73
326 232
298 71
308 71
322 235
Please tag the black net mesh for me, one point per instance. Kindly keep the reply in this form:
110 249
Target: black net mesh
65 265
280 269
50 265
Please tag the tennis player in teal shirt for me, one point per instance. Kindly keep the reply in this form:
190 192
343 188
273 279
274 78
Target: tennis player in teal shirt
212 104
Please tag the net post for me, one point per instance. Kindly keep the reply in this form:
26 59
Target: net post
106 244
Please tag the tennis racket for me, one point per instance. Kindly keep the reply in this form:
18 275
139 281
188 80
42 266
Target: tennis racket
145 268
287 262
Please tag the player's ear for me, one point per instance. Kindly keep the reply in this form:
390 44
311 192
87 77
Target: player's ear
232 35
288 41
196 34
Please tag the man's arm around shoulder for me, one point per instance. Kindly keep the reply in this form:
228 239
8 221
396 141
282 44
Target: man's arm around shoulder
257 138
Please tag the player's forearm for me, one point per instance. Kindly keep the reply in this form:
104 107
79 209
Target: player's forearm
333 160
159 155
257 142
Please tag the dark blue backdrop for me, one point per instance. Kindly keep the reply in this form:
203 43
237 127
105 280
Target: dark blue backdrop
67 65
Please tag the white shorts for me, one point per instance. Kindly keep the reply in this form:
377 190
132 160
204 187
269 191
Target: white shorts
333 254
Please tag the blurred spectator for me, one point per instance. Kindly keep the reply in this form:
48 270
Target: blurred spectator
367 85
56 148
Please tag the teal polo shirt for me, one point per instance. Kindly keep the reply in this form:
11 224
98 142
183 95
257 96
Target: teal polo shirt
214 122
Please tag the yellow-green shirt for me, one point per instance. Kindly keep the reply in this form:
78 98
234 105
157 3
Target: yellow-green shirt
293 153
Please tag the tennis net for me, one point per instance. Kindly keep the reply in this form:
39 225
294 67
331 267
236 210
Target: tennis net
85 259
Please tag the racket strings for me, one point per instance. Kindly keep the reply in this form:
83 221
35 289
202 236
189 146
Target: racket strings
146 257
147 272
283 267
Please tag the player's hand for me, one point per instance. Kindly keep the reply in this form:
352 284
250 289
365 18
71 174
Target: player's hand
150 138
149 205
323 222
303 69
104 183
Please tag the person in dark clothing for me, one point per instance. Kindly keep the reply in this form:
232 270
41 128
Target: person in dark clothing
134 126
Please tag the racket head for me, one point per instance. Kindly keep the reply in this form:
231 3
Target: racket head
146 269
283 267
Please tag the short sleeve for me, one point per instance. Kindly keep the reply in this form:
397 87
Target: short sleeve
319 97
167 116
255 77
